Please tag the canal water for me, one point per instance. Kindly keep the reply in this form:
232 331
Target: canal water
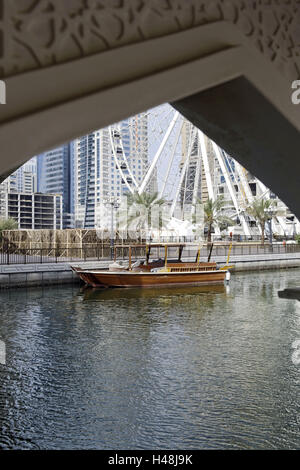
193 368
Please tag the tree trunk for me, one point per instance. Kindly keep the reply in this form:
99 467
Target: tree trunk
263 234
209 233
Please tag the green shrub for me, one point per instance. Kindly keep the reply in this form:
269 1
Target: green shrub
7 224
297 238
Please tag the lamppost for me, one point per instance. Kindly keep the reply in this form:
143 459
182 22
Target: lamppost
114 203
294 229
242 215
270 214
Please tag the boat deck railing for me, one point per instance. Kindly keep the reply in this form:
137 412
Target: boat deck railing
192 269
188 267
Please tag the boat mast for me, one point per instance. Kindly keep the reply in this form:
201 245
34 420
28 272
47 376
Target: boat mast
129 258
166 256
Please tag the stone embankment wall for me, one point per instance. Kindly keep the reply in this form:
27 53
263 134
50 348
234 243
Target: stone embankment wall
14 276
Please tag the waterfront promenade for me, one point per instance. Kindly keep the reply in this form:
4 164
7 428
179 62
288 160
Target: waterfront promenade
53 273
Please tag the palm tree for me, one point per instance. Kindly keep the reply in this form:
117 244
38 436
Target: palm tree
260 209
214 215
140 207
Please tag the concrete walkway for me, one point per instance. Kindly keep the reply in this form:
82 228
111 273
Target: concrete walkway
12 276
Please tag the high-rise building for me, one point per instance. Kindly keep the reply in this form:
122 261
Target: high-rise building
97 177
84 172
134 134
55 175
191 150
22 181
27 177
87 174
33 211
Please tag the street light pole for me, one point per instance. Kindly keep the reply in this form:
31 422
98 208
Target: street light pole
270 214
270 231
114 204
112 241
294 229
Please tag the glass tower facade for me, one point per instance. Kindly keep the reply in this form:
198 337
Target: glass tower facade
55 176
96 176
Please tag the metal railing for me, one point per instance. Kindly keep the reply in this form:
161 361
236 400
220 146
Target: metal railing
9 255
248 249
238 249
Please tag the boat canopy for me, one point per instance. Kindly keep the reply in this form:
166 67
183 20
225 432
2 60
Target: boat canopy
148 247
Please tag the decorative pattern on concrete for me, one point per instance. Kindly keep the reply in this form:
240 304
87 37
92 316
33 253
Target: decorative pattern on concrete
40 33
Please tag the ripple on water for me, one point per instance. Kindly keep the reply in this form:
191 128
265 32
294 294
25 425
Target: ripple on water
164 369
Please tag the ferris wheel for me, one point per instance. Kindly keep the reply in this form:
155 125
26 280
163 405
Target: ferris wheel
160 151
158 158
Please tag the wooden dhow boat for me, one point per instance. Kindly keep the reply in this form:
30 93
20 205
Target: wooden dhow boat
154 273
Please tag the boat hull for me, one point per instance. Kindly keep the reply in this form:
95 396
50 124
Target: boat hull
144 279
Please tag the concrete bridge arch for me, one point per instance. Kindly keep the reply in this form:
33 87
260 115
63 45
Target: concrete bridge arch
228 65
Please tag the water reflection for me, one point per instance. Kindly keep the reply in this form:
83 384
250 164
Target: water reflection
205 367
98 294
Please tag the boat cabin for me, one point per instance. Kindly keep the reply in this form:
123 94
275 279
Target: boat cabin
159 263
